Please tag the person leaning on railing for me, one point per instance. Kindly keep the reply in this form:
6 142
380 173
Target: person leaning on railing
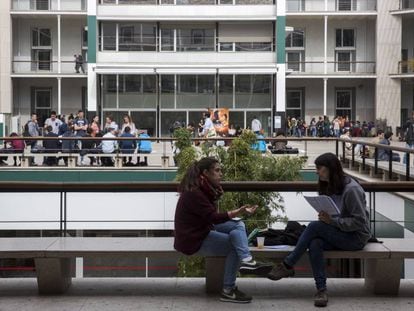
348 231
200 229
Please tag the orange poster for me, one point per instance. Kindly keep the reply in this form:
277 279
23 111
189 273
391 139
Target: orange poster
220 118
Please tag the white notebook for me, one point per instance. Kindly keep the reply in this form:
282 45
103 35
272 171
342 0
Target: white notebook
323 203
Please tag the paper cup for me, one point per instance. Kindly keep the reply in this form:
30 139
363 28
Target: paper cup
260 242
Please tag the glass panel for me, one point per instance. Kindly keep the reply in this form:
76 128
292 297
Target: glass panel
168 118
343 99
253 46
43 99
137 37
226 91
348 37
195 118
167 91
167 39
339 38
44 60
253 91
109 37
346 5
293 59
149 40
293 99
145 120
344 59
134 95
195 40
196 91
226 46
236 119
298 38
84 38
35 37
44 37
263 117
109 91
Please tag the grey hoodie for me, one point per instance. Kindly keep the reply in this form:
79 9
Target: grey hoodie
354 216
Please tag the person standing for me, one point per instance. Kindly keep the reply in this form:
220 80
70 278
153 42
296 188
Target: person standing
79 63
256 125
33 130
200 229
54 122
128 123
348 231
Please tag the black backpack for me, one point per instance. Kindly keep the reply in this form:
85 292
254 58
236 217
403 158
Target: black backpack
289 236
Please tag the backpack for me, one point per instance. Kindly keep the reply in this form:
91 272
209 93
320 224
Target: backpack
27 134
289 236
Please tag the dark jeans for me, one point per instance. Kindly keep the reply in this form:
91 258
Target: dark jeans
319 237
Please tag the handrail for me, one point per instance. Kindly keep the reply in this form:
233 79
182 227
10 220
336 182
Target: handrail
170 186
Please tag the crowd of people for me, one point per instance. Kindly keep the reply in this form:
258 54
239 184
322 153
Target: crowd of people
80 127
323 127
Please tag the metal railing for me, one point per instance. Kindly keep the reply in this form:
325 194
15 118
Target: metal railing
48 5
33 66
132 187
338 67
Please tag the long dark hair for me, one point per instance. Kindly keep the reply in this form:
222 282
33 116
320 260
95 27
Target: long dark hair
337 180
191 180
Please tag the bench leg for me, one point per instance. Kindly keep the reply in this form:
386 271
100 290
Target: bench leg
54 275
214 274
382 276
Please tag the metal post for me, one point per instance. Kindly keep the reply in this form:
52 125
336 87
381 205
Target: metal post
390 167
61 215
353 154
376 161
363 157
337 148
343 152
407 167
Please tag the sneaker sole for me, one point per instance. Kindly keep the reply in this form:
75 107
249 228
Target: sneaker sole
321 304
262 270
234 301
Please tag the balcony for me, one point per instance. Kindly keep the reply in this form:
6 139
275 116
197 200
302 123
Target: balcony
333 5
406 4
406 67
332 67
49 5
42 67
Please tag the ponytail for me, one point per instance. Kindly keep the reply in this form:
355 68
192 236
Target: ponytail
191 179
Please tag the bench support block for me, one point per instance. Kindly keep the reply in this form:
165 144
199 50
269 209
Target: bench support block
54 275
382 276
214 274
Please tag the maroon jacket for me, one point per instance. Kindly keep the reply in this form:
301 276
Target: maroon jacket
195 217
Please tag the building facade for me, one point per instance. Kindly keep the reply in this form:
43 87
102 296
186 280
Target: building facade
163 61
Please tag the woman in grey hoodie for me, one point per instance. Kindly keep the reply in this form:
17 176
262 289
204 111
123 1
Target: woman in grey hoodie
349 231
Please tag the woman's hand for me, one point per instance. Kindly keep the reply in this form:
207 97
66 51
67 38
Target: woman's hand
249 209
325 217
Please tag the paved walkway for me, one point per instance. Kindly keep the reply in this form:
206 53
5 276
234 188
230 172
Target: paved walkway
188 294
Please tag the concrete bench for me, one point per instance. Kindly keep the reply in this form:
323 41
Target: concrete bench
54 258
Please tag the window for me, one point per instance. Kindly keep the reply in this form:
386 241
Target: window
195 39
108 37
344 103
137 37
167 91
345 61
41 60
345 38
294 103
41 103
346 5
295 5
226 91
253 91
109 91
195 91
294 60
198 36
41 37
295 39
41 5
167 39
226 47
85 37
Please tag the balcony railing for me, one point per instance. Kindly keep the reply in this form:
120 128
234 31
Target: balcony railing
406 67
291 5
46 67
406 4
49 5
343 67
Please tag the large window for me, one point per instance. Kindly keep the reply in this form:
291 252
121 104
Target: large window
226 91
195 91
294 103
346 5
41 5
295 38
129 91
195 39
345 61
41 53
345 103
41 103
137 37
108 37
167 91
253 91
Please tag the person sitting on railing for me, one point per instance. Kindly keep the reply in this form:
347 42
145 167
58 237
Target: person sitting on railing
51 146
347 231
200 229
386 154
281 147
12 146
127 146
376 140
109 146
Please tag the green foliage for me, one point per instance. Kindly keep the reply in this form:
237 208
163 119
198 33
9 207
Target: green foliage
191 267
186 154
241 163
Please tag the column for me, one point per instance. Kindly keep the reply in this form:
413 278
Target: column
59 110
5 57
325 96
325 46
280 114
59 25
92 25
388 54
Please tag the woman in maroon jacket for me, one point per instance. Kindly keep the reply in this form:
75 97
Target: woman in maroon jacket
200 229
